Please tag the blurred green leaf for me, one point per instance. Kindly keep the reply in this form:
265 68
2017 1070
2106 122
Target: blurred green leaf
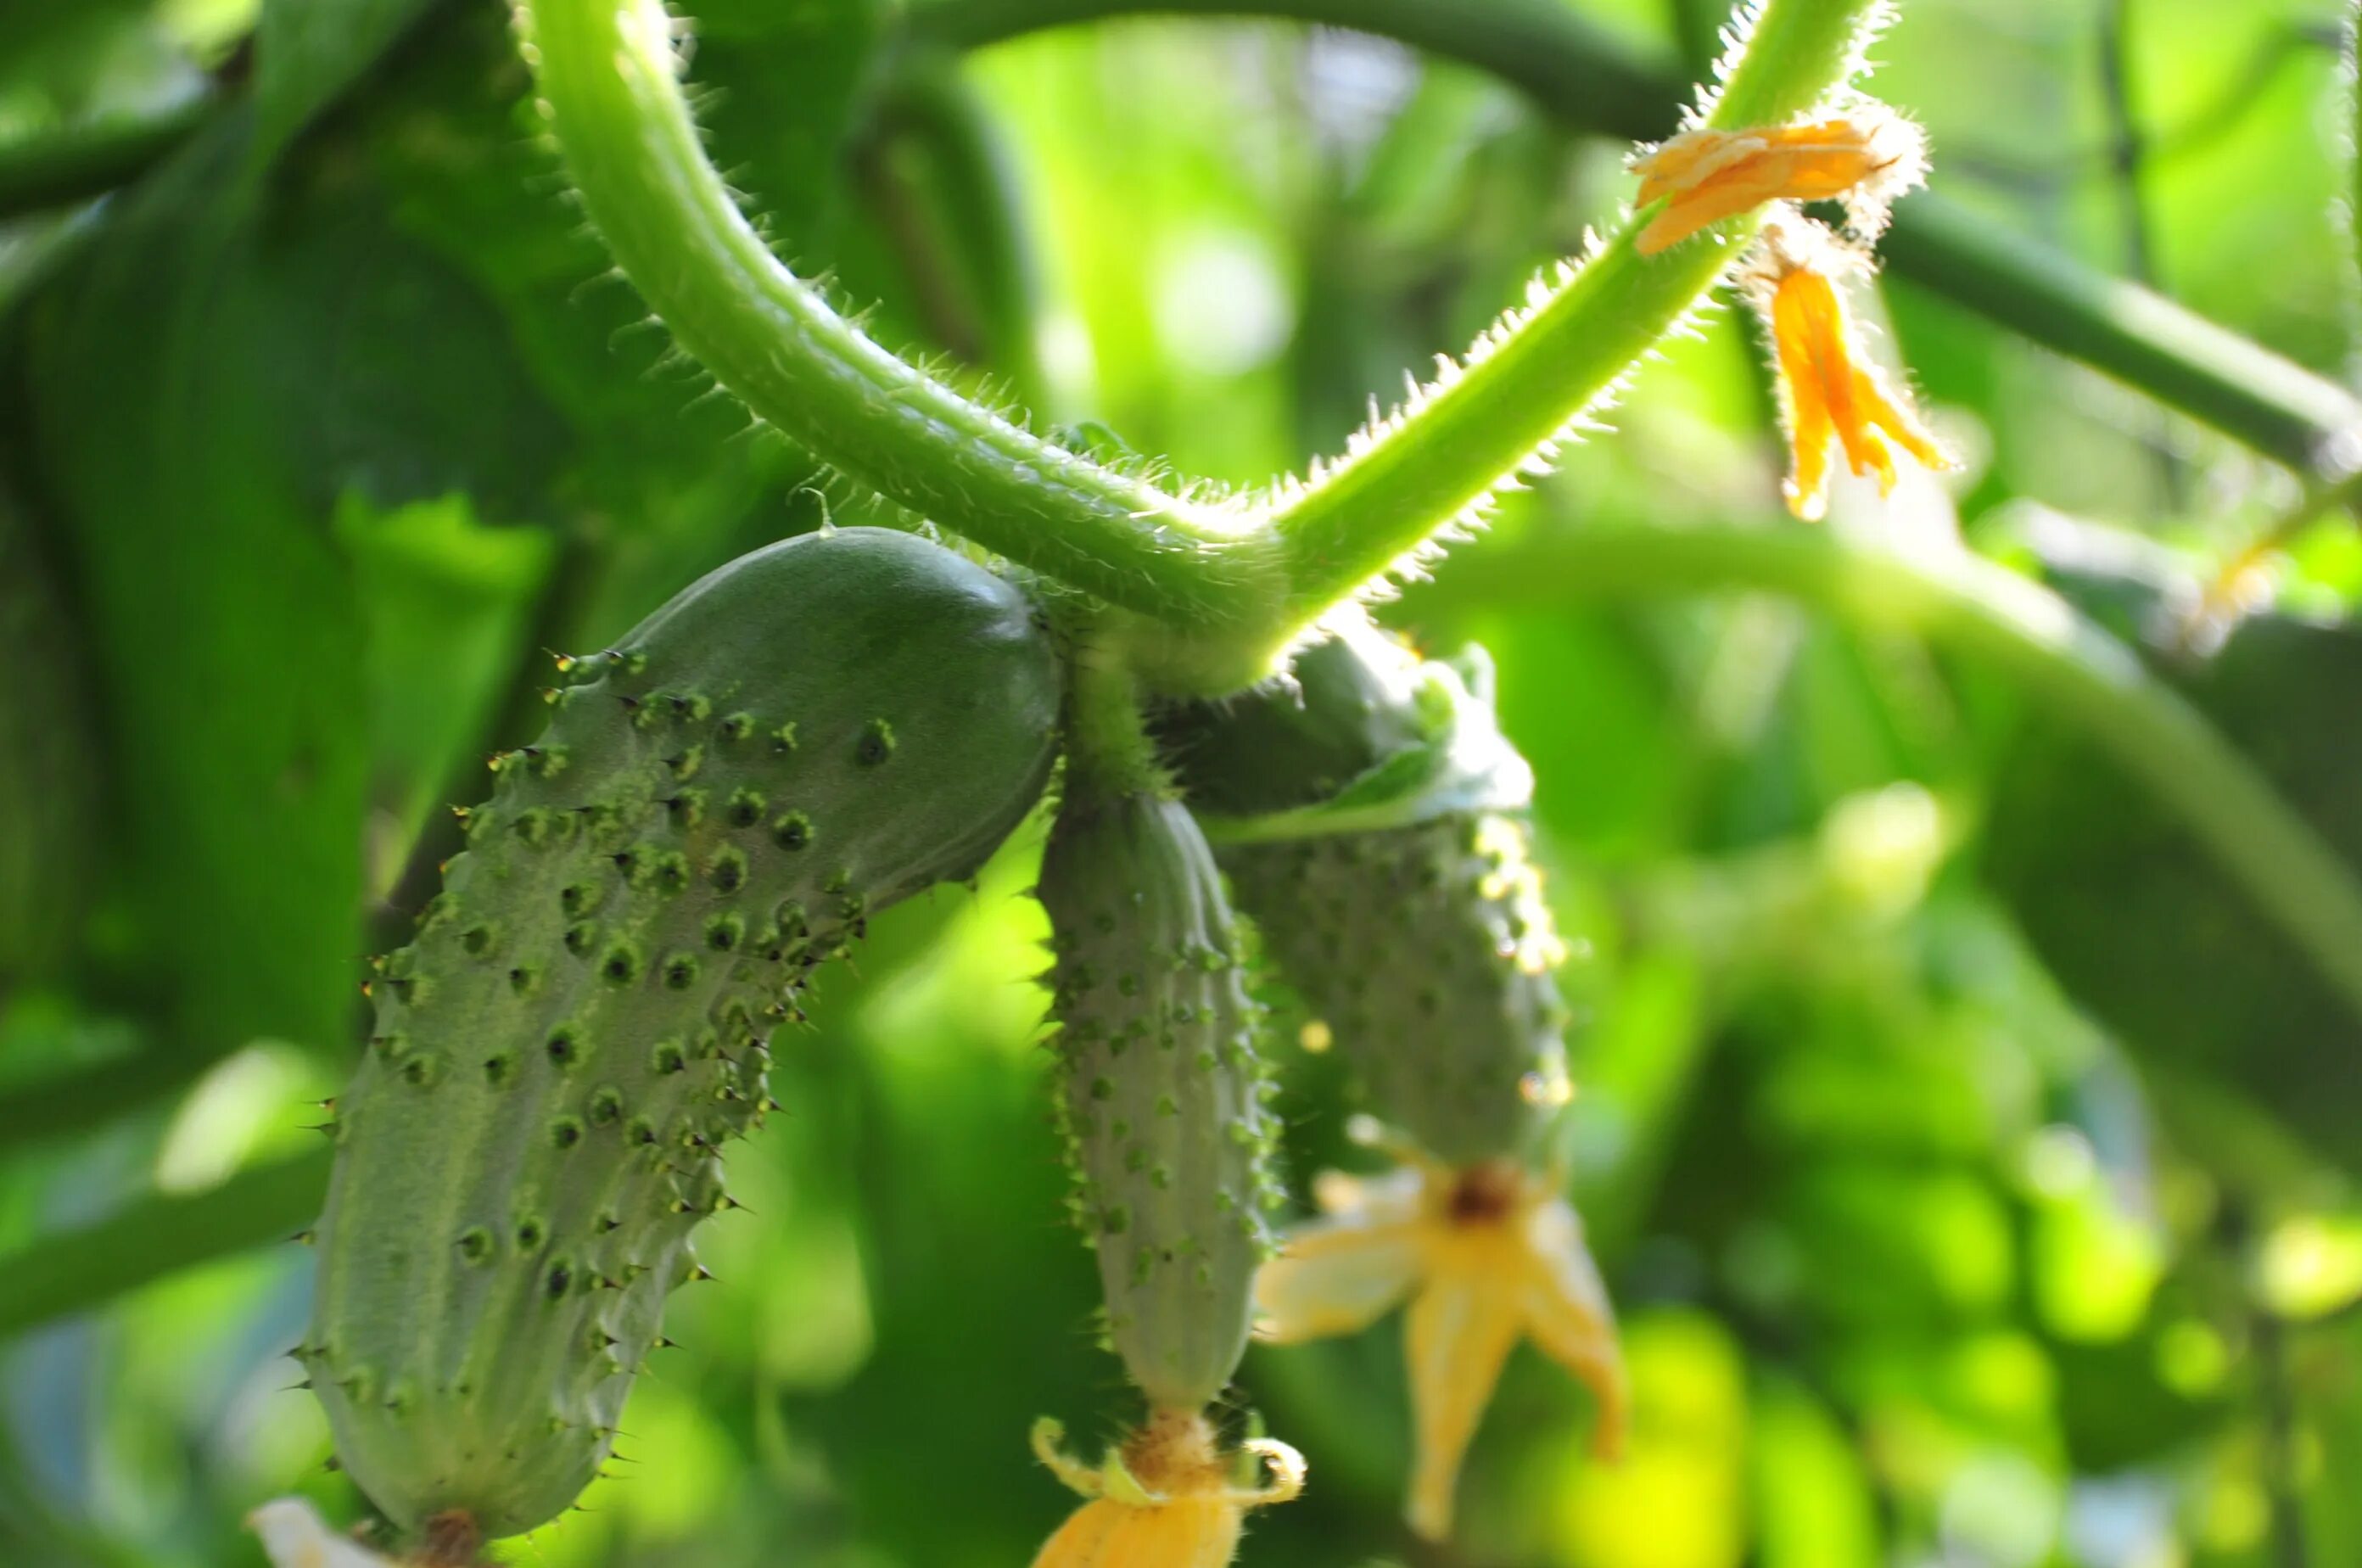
2132 917
1811 1490
444 601
155 1234
52 784
307 52
172 471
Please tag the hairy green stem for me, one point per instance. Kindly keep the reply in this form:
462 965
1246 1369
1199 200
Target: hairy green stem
54 1277
80 161
1231 590
1444 456
1108 746
609 80
1595 83
2059 659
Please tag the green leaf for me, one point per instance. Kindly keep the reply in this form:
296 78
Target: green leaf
308 52
219 373
49 770
2133 918
446 603
222 615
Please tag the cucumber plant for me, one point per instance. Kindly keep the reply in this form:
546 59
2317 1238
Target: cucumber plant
829 724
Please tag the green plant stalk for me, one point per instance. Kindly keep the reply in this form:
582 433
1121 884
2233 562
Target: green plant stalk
2349 87
2058 657
1551 50
80 161
1234 593
608 79
1448 453
65 1104
2188 363
54 1277
1595 83
1107 745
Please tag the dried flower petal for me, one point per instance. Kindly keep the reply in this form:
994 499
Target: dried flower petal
1828 391
1865 158
1167 1499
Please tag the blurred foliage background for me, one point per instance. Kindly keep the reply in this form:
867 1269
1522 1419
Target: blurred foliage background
1973 1164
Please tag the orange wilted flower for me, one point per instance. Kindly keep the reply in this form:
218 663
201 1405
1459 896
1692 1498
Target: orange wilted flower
1166 1498
1484 1256
1827 391
1865 158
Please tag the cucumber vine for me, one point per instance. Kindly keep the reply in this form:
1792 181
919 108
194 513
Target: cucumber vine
1224 585
1218 588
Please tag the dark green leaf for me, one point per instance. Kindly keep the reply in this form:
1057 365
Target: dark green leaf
2134 918
308 52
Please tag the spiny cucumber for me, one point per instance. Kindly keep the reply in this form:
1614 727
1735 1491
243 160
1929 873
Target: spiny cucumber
1429 953
1162 1087
796 741
1367 809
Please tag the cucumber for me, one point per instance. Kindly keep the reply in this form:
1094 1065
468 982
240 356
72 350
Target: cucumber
1365 810
1162 1087
1429 953
802 737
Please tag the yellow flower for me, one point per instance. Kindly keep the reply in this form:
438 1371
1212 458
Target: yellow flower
1827 391
1865 158
1167 1499
1485 1255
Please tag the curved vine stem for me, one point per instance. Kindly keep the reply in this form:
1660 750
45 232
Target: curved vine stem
1593 80
1232 584
79 162
1517 396
54 1277
2062 660
608 79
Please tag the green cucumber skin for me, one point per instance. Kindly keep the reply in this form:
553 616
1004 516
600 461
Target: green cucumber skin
1162 1088
582 1021
1349 704
1429 951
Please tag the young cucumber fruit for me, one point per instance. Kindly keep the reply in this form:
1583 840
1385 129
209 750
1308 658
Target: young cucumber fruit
1429 953
1162 1087
796 741
1374 843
